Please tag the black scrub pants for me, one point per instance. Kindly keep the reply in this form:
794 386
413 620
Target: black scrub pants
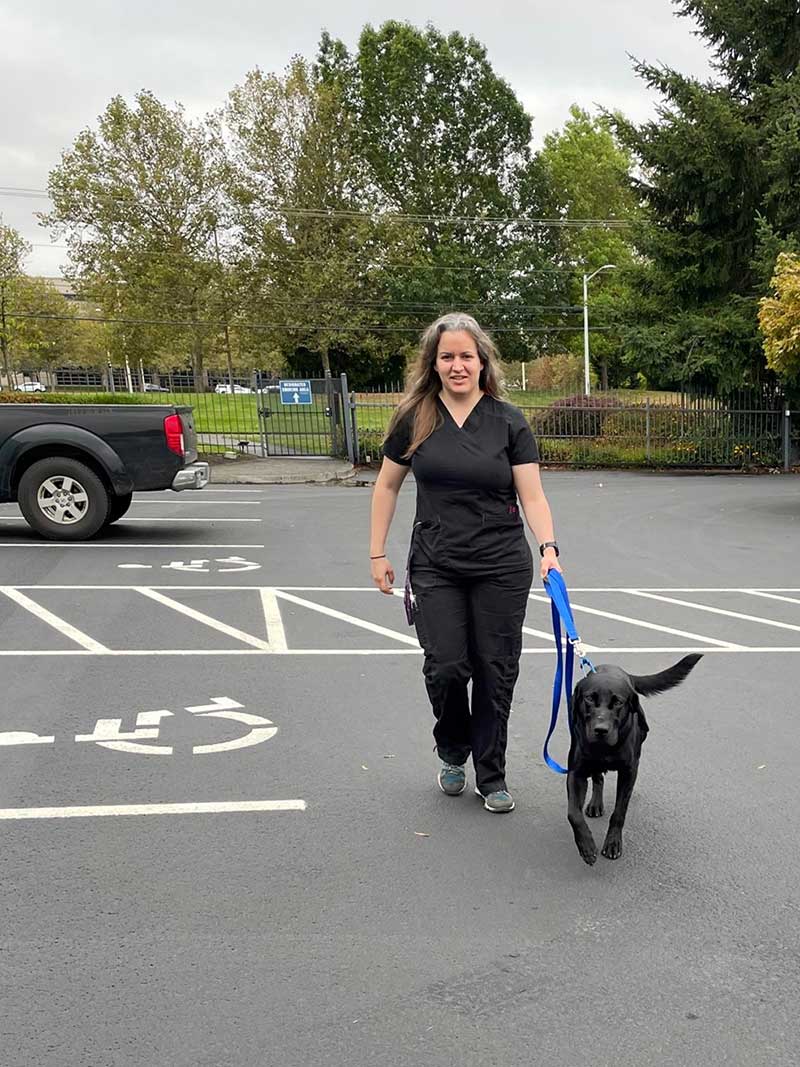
470 628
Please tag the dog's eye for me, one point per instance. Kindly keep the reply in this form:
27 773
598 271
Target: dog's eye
614 702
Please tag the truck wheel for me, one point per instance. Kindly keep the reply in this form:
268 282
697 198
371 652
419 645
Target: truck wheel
63 500
119 505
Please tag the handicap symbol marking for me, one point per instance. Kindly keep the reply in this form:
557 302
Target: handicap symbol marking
261 729
238 565
143 738
295 391
23 737
108 733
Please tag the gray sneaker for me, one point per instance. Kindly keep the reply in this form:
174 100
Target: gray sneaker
499 801
451 779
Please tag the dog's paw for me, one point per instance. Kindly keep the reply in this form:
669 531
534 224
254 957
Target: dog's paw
588 851
594 810
612 847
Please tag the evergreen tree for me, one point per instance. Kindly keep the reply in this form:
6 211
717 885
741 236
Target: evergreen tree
718 170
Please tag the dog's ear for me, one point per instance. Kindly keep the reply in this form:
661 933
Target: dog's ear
576 702
635 708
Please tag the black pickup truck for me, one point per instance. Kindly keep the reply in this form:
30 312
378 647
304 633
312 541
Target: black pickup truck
73 468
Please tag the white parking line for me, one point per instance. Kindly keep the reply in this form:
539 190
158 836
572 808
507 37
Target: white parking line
210 652
203 808
276 635
332 613
161 518
715 611
193 501
116 544
645 625
207 620
63 627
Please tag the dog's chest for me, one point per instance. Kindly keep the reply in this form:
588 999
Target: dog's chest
600 762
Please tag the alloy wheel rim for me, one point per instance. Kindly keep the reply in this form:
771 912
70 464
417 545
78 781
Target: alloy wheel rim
63 500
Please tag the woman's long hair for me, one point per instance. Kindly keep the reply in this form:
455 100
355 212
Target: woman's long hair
425 385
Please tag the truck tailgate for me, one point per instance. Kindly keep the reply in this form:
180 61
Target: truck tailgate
189 433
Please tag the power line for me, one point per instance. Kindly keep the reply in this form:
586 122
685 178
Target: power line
290 326
492 268
383 216
407 308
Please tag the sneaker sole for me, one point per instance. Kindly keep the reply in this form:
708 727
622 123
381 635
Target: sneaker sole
448 794
494 811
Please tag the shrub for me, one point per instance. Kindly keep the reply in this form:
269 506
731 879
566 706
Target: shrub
576 416
370 443
554 374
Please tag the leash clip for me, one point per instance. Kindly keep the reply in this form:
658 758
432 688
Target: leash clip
580 650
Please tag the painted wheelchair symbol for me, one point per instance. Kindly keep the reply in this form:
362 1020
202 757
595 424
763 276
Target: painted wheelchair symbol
108 733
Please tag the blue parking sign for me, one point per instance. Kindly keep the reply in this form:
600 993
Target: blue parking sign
296 391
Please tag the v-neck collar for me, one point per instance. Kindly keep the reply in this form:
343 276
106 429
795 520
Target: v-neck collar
472 411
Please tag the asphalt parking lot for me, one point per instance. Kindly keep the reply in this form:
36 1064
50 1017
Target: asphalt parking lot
224 845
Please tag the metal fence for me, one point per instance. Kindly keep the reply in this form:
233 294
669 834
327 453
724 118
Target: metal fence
251 415
633 430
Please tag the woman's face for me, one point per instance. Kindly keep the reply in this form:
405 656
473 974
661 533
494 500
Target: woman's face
458 363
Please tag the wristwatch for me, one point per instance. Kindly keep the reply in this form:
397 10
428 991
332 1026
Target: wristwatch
549 544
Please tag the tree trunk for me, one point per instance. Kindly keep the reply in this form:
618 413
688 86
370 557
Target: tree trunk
3 337
197 360
604 376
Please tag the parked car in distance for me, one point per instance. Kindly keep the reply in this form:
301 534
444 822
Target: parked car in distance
150 387
30 387
225 387
73 468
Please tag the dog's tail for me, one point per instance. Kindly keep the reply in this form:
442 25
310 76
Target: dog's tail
647 685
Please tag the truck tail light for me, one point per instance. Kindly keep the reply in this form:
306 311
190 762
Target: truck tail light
173 429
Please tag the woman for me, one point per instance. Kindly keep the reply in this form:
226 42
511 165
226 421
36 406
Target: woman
470 567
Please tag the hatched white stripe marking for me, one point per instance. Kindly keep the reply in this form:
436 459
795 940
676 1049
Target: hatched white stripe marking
63 627
715 611
344 617
276 635
643 624
207 620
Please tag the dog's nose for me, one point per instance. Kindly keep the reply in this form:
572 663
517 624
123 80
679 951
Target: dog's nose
601 731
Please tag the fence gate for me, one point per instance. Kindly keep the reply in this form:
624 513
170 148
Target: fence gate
290 427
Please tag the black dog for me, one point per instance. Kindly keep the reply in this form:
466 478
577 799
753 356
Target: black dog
608 728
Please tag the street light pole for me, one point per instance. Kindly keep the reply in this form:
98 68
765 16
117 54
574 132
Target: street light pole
587 387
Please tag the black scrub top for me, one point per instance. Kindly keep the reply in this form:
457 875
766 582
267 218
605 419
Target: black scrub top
467 510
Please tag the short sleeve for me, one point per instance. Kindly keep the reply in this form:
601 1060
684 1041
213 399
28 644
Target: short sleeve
522 447
396 444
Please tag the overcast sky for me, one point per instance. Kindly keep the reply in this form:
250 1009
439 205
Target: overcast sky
60 63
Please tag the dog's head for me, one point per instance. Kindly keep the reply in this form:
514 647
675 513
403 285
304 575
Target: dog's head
606 702
603 705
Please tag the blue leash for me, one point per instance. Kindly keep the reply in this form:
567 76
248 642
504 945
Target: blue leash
562 612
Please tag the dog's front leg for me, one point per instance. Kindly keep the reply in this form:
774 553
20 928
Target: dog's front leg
594 809
576 795
626 779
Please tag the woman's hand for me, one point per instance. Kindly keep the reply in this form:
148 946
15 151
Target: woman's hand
549 562
382 574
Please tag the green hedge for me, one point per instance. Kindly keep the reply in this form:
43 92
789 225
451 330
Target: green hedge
77 398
